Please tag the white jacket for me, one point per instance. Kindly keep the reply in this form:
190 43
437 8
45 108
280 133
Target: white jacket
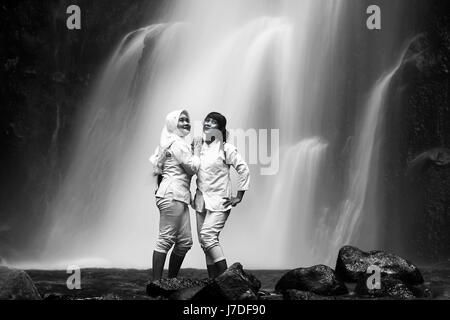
213 176
179 167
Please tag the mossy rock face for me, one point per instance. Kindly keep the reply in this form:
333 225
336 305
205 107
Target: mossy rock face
48 73
416 155
17 285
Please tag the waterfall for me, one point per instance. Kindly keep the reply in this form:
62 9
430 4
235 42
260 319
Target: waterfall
346 229
292 204
265 65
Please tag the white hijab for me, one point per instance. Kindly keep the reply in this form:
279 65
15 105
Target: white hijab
169 135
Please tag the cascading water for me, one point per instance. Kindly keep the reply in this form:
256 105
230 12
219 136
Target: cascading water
362 172
264 64
299 170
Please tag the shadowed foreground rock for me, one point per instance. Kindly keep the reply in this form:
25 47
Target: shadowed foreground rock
319 279
233 284
352 264
168 287
17 285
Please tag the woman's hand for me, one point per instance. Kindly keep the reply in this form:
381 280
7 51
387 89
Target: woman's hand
234 201
198 142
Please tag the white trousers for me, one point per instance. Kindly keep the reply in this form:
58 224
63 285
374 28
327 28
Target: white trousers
209 226
174 227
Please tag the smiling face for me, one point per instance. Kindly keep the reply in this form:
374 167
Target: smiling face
211 130
184 123
209 125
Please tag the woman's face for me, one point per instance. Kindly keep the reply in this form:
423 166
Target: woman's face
184 124
210 125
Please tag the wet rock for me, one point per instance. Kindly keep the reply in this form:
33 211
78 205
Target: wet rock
389 287
167 287
293 294
17 285
352 263
319 279
233 284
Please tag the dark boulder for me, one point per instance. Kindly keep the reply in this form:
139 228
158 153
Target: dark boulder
17 285
233 284
352 263
319 279
167 287
389 287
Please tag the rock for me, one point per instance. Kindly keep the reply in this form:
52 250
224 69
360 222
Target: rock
233 284
319 279
421 291
167 287
17 285
293 294
390 287
352 263
419 206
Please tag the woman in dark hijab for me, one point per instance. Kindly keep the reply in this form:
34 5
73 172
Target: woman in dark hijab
213 200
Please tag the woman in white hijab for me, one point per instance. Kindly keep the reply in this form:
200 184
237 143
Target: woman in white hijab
174 162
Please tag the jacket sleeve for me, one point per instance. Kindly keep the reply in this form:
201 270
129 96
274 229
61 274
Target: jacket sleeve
183 154
234 158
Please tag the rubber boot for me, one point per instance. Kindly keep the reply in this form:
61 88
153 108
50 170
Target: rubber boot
212 271
175 265
221 267
159 259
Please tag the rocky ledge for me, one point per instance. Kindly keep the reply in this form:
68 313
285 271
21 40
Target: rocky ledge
357 275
